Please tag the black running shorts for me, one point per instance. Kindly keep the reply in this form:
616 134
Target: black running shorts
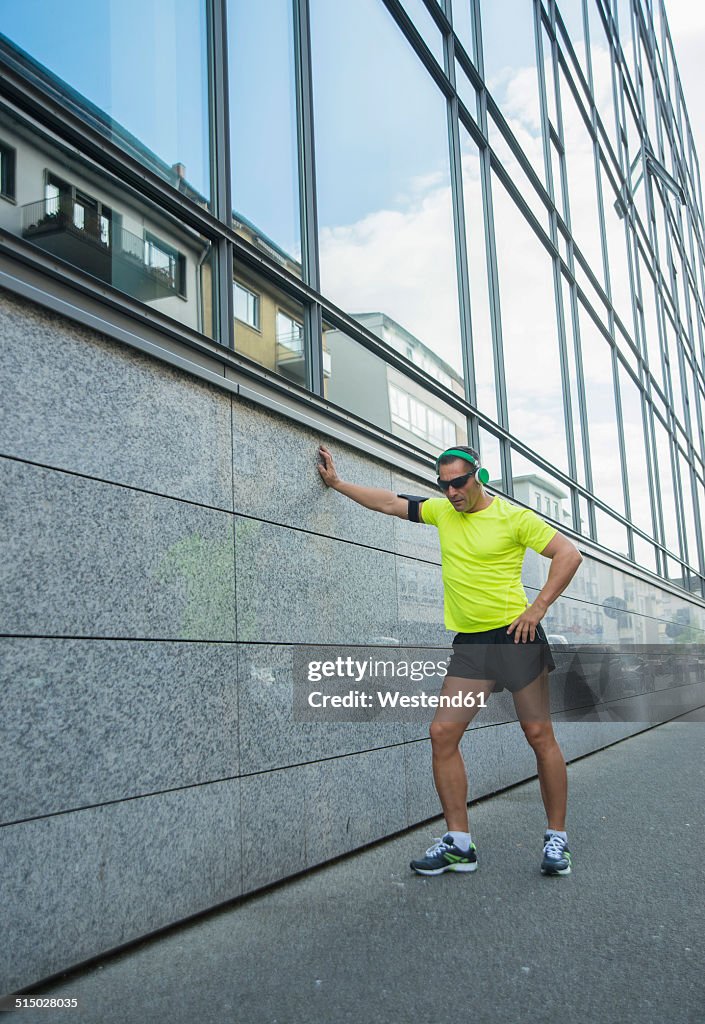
492 654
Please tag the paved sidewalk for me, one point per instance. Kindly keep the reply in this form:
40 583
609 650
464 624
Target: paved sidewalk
364 940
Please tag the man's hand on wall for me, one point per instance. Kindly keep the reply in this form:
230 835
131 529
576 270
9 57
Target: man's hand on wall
326 467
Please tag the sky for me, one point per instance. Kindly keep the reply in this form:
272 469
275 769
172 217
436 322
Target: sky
686 20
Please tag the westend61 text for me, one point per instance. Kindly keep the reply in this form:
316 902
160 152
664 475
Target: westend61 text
394 699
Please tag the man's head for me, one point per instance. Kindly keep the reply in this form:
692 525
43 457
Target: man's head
457 470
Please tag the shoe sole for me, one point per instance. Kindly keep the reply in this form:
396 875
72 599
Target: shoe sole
549 871
462 868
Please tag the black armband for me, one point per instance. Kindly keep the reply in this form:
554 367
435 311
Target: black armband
415 503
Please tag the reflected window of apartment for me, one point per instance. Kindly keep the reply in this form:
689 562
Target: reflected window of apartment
440 429
247 306
555 510
538 502
54 189
166 262
75 213
268 327
7 171
399 406
290 333
409 412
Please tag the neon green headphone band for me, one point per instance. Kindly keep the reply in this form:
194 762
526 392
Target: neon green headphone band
482 474
460 455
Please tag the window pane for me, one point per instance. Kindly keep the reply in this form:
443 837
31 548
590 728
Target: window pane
136 69
535 488
276 339
67 207
382 163
479 286
572 14
568 319
509 49
461 24
531 358
601 413
7 171
265 170
688 511
645 554
601 62
617 256
582 190
638 476
666 489
428 29
364 384
490 457
610 533
652 347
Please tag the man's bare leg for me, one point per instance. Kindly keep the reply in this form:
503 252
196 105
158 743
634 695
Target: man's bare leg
447 728
533 712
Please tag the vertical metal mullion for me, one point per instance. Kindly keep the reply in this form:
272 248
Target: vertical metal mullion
220 170
622 447
313 321
697 516
461 252
577 343
555 260
491 254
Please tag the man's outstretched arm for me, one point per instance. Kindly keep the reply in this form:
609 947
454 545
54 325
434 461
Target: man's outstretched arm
376 498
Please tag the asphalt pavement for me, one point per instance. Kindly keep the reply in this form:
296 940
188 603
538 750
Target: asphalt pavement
622 939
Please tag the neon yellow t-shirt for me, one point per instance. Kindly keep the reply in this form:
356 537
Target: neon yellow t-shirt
482 554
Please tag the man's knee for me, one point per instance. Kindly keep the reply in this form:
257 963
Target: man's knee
539 734
445 736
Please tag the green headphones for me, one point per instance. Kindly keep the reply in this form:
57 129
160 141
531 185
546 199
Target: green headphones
482 474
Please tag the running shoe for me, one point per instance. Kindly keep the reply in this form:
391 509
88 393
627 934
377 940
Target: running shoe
444 855
557 858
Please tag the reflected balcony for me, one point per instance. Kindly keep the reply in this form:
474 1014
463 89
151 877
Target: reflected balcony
77 234
291 361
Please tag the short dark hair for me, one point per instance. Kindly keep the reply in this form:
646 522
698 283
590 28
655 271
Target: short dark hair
445 459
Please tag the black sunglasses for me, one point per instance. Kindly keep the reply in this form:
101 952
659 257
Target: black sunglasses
457 482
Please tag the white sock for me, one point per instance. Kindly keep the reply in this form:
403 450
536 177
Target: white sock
461 839
555 832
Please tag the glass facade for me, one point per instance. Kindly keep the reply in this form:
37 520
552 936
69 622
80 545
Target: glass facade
458 220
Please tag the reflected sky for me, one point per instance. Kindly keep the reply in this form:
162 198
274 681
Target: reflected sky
142 62
383 177
265 174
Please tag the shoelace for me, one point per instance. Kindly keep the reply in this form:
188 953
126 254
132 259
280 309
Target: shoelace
554 847
439 846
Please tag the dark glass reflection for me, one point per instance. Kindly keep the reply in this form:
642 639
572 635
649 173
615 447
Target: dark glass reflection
136 69
70 209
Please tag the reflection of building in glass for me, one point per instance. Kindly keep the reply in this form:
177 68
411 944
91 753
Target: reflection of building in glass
380 393
67 207
545 497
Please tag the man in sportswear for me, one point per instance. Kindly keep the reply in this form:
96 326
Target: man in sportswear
499 640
